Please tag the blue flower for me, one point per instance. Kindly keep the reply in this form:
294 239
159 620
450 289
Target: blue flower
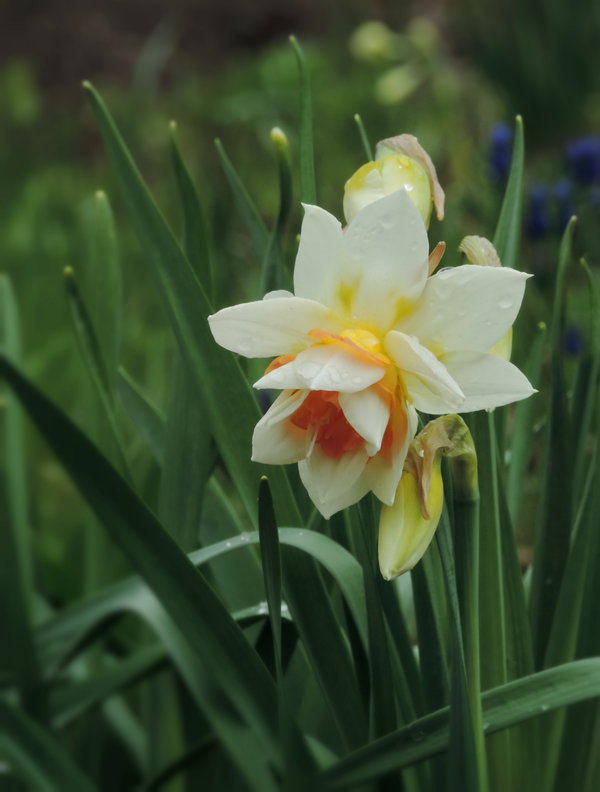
583 156
500 151
573 341
563 192
537 221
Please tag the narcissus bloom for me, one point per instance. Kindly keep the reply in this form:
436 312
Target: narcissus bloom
369 338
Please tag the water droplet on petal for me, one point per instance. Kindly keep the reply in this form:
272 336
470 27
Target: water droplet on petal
505 303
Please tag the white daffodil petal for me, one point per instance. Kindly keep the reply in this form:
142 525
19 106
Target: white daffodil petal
386 261
334 484
316 269
486 380
276 441
367 414
325 367
277 293
427 381
271 327
466 307
384 475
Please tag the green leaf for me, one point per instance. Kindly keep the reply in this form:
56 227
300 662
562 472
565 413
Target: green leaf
554 518
216 641
503 707
100 279
59 637
508 230
36 757
71 701
215 371
523 427
92 355
195 231
189 458
146 417
250 215
16 557
308 190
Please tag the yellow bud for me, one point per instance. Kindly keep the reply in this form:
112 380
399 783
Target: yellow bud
386 175
407 527
404 533
410 147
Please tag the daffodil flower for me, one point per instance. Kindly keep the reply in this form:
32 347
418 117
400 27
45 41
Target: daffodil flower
368 339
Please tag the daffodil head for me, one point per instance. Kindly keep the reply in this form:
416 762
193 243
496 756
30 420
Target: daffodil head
407 527
367 339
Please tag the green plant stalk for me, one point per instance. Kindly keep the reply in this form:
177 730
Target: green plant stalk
582 417
274 274
364 139
308 190
554 518
466 750
466 549
492 612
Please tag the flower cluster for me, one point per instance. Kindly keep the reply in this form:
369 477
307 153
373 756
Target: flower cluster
371 336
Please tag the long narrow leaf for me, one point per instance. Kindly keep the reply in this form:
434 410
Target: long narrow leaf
36 756
213 635
503 707
215 371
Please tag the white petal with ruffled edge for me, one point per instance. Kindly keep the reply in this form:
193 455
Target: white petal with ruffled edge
316 271
466 307
270 327
367 414
486 380
382 476
327 367
386 264
276 441
427 381
334 484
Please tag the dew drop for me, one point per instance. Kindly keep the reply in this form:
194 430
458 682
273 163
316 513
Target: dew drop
505 303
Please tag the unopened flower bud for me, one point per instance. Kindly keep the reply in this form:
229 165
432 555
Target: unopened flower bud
386 175
407 527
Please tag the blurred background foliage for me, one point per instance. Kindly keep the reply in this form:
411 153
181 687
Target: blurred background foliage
453 74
